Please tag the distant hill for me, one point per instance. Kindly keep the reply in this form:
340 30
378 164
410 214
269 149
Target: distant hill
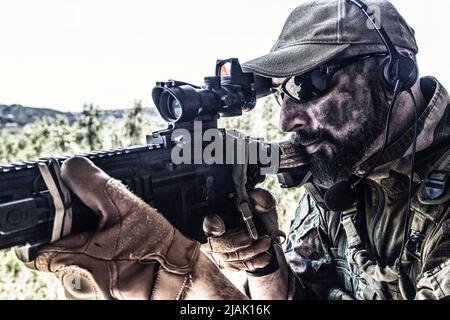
18 115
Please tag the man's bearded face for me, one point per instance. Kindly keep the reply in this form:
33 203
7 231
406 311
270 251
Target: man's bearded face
339 127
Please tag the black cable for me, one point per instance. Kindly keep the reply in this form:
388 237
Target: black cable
411 178
406 286
398 85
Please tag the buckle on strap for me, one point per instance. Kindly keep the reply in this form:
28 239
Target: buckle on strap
62 223
414 244
348 222
436 183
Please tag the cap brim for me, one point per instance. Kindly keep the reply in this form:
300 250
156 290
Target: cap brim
293 60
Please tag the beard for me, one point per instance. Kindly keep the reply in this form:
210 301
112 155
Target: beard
329 168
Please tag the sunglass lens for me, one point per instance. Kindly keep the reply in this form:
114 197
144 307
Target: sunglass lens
293 88
318 81
306 87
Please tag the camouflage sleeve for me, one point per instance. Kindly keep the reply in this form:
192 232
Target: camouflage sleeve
434 283
307 251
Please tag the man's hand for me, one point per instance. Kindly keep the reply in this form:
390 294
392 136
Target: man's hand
235 250
132 243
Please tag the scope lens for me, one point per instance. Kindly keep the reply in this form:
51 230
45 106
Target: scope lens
174 108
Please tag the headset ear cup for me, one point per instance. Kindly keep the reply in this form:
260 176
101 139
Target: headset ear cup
386 74
408 72
404 69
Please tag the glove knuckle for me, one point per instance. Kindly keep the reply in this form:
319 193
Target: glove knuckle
262 260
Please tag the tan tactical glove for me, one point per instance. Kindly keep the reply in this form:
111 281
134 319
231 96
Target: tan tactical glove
120 259
235 250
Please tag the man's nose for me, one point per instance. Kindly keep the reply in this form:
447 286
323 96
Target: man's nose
293 116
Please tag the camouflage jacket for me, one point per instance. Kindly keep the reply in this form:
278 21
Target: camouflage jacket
319 247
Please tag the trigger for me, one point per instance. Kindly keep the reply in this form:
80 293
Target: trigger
247 215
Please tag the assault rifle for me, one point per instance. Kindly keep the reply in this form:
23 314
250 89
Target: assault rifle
184 192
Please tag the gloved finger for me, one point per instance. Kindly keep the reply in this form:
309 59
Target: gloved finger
229 242
69 243
41 261
261 245
280 237
106 196
263 201
85 179
213 225
260 261
266 213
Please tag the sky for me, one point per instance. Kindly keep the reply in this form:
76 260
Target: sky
62 54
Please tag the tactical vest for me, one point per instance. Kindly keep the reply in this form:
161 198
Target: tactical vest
362 274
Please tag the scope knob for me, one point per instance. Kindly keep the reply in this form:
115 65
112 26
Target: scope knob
227 100
212 82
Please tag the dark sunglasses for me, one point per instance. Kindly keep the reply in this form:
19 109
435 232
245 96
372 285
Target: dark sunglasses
317 82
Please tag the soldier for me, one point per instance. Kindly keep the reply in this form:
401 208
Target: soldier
365 229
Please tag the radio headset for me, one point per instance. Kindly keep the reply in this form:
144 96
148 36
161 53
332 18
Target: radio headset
399 74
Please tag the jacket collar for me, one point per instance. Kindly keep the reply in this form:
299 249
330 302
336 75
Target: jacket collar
433 136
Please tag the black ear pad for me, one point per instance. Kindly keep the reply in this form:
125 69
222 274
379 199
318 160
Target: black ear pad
404 69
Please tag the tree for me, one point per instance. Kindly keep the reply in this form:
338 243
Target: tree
134 123
90 127
8 147
62 135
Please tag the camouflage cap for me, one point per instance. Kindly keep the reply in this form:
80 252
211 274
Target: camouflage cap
320 30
